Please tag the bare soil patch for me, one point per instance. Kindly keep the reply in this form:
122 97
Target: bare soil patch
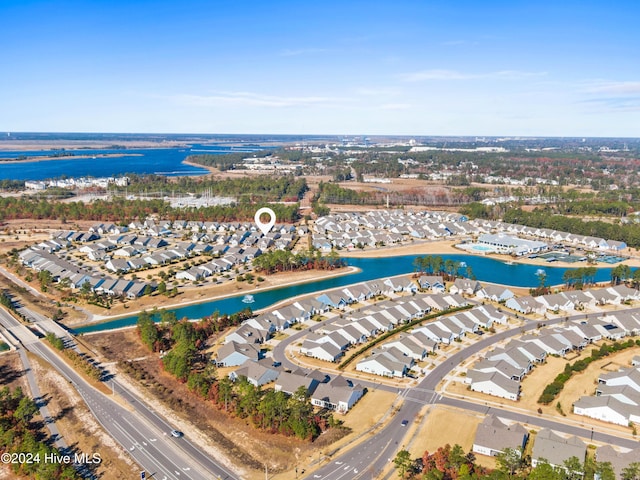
535 382
11 372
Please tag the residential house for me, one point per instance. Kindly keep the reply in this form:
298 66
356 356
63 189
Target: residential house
551 448
337 395
465 286
526 305
619 460
256 373
495 293
233 354
493 436
494 383
433 283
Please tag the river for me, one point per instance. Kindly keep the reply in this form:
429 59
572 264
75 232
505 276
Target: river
484 269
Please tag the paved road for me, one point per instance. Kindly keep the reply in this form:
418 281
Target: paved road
371 457
143 434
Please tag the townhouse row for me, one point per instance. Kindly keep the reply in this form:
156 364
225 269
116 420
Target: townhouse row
501 370
374 228
64 271
616 399
396 357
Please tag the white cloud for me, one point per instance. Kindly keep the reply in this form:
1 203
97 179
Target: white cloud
614 88
436 74
225 99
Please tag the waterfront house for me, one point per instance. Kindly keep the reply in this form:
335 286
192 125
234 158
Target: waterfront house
465 286
431 282
495 293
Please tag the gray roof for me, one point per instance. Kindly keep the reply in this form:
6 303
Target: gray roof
619 460
494 434
556 449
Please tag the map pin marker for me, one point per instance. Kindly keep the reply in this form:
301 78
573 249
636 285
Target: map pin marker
265 227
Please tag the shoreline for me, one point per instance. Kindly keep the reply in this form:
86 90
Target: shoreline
66 157
426 247
97 319
211 170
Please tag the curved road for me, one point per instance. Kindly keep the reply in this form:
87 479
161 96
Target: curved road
371 457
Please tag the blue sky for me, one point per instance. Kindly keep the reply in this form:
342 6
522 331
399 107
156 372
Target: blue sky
528 68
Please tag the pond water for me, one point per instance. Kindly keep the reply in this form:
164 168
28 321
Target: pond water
483 268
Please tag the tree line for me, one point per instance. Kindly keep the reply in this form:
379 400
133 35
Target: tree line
554 388
435 264
261 188
124 211
286 261
546 218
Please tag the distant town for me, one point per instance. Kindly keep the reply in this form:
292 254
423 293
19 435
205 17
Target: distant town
420 308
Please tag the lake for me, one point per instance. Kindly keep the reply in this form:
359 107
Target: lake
484 268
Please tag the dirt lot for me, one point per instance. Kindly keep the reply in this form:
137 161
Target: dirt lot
584 383
444 425
535 382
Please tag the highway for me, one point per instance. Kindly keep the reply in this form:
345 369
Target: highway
134 425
